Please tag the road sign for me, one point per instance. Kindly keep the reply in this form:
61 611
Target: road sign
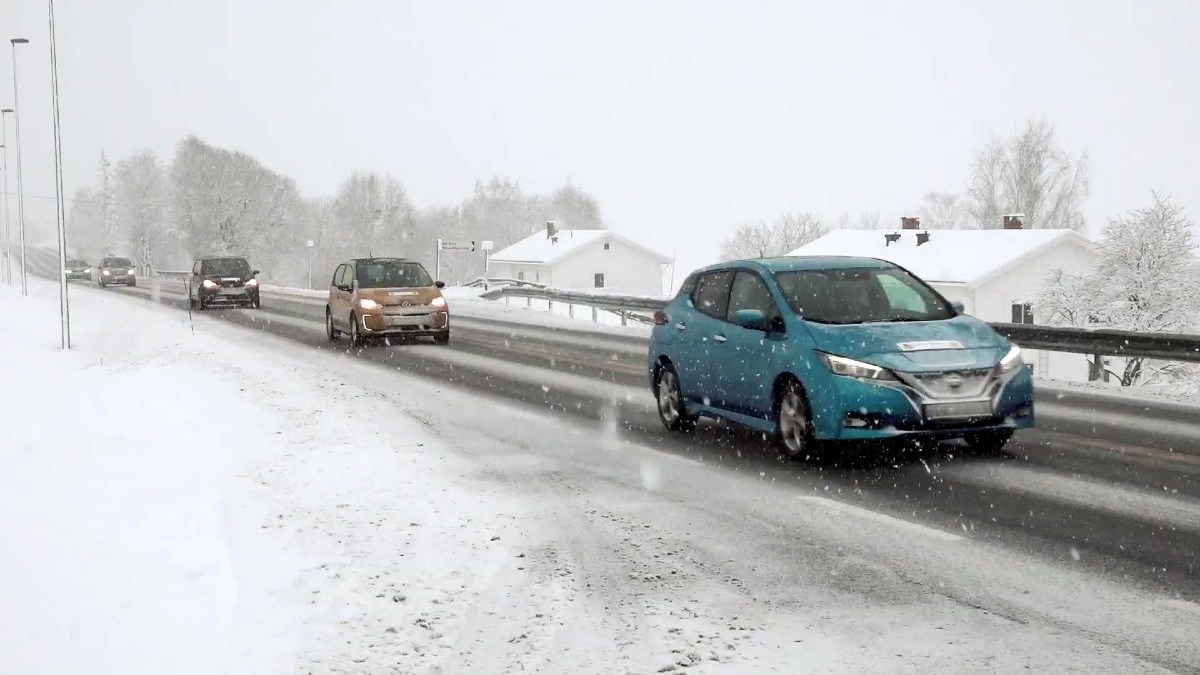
448 245
487 245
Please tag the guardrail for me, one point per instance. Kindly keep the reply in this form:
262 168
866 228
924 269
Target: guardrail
1102 342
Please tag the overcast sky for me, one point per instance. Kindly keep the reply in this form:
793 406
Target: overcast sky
681 118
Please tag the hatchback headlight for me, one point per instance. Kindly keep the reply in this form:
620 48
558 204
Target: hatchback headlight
1011 360
252 282
439 301
133 271
840 365
367 303
105 272
88 271
209 283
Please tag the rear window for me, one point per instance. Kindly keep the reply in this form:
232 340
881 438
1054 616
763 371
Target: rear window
225 267
392 274
116 262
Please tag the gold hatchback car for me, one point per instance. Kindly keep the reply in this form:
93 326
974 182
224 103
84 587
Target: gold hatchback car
385 297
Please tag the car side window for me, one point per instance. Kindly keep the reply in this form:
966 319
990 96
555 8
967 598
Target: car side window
712 293
196 267
749 291
337 275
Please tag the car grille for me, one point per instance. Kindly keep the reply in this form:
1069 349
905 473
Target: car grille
954 384
232 283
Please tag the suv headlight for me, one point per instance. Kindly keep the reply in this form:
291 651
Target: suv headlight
1011 360
133 271
209 283
252 282
840 365
105 272
367 303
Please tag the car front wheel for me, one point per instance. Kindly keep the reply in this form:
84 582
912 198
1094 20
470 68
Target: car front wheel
355 337
671 409
989 441
793 423
442 338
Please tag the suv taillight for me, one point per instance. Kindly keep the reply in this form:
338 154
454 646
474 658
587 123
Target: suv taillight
661 318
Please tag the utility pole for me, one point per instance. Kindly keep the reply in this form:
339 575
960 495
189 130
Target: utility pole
64 305
16 110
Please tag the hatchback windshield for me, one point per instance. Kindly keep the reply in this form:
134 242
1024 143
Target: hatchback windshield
116 262
76 263
225 267
861 295
392 274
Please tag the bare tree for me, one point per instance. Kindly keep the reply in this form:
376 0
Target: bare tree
762 240
868 220
1028 174
942 211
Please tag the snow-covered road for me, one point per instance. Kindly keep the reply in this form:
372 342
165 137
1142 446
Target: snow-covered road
207 498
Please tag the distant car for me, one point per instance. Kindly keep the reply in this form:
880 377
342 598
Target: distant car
78 269
380 297
115 271
818 349
223 280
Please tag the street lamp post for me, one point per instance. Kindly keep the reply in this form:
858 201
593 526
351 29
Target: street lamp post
64 305
309 245
20 183
5 244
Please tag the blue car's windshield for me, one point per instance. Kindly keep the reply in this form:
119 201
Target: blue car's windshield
861 295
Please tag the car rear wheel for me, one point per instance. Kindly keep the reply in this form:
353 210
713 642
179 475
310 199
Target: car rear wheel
793 423
330 330
989 441
133 284
671 409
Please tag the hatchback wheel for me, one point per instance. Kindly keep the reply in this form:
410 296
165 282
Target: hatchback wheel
989 441
671 409
355 337
793 424
330 330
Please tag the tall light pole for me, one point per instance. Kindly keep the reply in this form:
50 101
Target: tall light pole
20 182
6 262
64 305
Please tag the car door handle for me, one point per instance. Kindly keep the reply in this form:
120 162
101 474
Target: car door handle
719 338
680 326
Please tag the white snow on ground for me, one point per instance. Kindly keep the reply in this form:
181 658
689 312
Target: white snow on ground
226 501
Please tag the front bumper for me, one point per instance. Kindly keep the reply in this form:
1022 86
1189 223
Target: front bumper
409 321
117 278
229 295
852 409
78 275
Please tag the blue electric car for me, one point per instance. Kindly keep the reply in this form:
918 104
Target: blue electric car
821 349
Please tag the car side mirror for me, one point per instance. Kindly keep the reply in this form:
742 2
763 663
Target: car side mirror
958 307
439 284
255 272
753 319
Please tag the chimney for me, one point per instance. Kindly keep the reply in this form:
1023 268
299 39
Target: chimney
551 231
922 238
889 238
1013 221
910 222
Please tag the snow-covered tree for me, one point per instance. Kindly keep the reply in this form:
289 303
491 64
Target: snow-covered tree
942 211
373 216
1028 174
111 239
140 196
1146 280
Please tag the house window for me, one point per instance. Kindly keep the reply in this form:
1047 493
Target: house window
520 276
605 246
1022 312
599 281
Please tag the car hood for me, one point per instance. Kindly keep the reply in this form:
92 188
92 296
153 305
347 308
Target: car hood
400 296
962 342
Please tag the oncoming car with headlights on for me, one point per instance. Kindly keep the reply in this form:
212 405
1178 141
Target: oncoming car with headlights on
814 350
223 280
78 269
385 297
116 271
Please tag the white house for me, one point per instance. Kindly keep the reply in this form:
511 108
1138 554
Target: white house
582 260
996 274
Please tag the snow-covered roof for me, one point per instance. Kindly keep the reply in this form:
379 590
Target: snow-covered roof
950 256
537 248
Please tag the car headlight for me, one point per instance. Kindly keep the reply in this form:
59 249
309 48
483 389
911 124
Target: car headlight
209 283
367 303
252 282
105 272
439 301
133 271
1011 360
840 365
88 271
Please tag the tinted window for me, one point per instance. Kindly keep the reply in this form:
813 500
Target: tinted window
712 293
749 292
225 267
861 295
116 262
392 274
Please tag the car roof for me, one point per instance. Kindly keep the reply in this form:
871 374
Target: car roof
221 257
799 263
381 260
